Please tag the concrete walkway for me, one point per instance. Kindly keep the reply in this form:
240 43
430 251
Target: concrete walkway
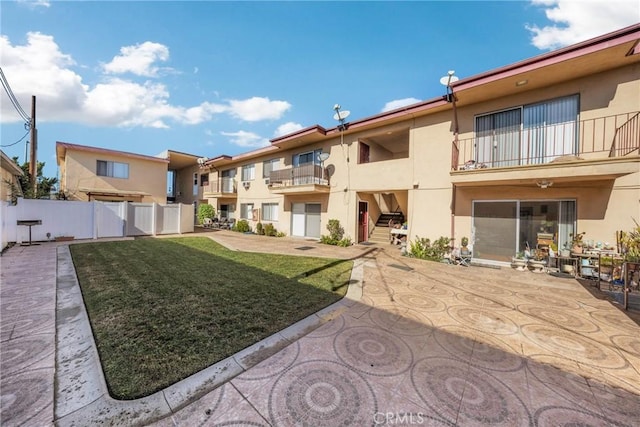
426 344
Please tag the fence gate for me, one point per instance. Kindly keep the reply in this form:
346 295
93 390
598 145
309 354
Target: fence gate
109 219
140 219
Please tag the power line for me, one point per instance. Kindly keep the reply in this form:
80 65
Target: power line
12 98
18 141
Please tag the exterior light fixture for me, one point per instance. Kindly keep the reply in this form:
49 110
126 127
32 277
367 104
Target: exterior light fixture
522 82
544 183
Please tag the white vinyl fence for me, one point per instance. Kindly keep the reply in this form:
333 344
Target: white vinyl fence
92 220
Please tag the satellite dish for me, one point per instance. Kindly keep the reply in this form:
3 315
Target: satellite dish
341 115
448 79
323 156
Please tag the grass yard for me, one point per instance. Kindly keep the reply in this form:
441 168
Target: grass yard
163 309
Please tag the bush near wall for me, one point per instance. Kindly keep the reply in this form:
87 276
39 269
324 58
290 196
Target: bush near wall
423 248
336 235
205 211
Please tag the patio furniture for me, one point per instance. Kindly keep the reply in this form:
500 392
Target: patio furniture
207 223
30 223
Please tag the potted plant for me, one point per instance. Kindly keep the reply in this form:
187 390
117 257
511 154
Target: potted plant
536 263
576 242
518 262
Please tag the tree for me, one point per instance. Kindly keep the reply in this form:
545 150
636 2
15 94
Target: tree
44 184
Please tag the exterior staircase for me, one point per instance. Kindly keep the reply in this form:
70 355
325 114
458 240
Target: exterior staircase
380 234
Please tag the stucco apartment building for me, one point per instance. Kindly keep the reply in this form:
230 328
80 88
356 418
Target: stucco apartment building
91 173
548 146
10 174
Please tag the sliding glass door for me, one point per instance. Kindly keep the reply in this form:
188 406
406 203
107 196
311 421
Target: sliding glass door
503 228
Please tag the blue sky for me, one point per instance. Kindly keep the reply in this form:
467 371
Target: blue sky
211 78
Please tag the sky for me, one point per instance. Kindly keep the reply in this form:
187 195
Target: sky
211 77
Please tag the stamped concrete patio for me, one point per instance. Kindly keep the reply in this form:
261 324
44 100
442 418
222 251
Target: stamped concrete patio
426 344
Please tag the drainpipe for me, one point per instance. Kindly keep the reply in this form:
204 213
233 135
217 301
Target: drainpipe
455 141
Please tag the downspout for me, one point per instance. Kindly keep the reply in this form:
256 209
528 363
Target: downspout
453 185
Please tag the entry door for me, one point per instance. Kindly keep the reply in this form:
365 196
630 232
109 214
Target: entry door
312 222
305 220
363 221
297 219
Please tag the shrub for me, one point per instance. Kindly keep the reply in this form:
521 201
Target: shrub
259 229
327 240
424 249
205 211
336 232
241 226
281 234
344 242
269 230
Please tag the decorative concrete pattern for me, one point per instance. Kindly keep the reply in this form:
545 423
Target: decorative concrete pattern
27 335
425 344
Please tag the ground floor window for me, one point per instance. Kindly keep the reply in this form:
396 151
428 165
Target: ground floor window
503 228
269 211
246 210
226 211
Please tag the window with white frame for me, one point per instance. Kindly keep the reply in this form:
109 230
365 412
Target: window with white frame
195 184
246 210
269 211
268 166
112 169
249 172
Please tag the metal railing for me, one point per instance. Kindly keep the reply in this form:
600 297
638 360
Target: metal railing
222 186
610 136
299 175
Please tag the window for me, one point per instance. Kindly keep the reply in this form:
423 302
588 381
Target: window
249 172
112 169
269 211
195 184
268 166
531 134
306 158
246 210
204 180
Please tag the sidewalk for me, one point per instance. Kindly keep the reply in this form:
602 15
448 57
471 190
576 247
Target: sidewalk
426 344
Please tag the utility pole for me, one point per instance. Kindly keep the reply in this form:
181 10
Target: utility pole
33 164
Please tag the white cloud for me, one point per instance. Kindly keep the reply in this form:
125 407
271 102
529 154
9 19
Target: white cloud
35 3
392 105
138 59
256 109
246 139
287 128
40 67
576 21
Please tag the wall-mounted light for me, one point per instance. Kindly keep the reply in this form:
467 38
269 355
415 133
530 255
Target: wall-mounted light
544 183
522 82
246 185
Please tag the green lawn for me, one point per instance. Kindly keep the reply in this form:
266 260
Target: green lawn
163 309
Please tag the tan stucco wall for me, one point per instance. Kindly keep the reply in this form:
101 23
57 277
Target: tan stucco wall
79 171
5 185
423 182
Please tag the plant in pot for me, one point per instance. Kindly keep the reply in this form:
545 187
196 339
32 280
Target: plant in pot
576 242
519 262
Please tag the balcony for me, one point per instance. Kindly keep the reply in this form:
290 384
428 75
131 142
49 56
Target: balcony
221 187
305 179
594 139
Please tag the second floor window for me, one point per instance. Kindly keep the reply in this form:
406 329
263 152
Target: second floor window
112 169
204 179
310 157
249 172
268 166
